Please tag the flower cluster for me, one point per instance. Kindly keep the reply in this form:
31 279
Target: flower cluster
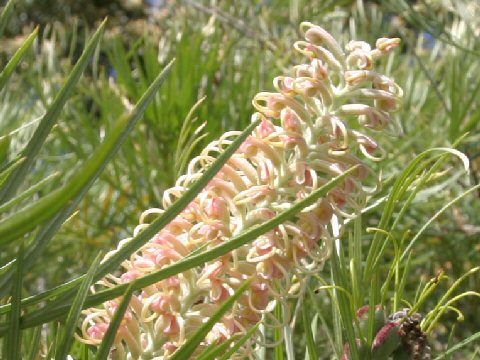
308 134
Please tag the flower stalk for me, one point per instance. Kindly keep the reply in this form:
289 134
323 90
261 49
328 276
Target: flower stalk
309 132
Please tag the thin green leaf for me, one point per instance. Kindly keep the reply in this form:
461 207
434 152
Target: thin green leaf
326 328
29 192
434 217
214 350
65 343
34 343
49 119
45 208
403 182
104 349
182 150
14 337
344 304
192 343
468 340
450 341
17 57
5 173
5 15
5 142
186 156
277 334
307 328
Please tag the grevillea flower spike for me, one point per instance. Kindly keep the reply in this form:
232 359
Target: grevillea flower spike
310 132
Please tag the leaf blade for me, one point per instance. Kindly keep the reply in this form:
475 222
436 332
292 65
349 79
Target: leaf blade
50 118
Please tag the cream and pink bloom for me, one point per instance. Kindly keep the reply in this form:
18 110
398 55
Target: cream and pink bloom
313 128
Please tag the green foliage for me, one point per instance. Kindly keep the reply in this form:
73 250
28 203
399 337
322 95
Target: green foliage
94 130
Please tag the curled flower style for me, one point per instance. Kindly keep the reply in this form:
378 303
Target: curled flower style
310 132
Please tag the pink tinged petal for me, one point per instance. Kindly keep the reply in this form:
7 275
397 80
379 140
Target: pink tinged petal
254 195
143 263
245 167
303 70
248 147
320 70
211 271
222 188
386 44
165 256
306 179
356 77
265 128
296 141
170 347
311 88
128 316
219 333
136 304
230 174
130 275
310 225
276 103
367 115
165 304
324 212
191 212
306 87
387 104
360 59
169 240
97 331
173 282
361 172
318 36
338 197
219 269
210 232
178 225
290 121
260 296
217 208
250 317
265 173
273 267
300 175
144 341
262 193
255 145
374 119
285 84
219 292
263 245
161 305
173 327
355 45
349 185
260 215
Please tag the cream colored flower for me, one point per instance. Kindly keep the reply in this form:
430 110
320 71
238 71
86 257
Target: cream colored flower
305 138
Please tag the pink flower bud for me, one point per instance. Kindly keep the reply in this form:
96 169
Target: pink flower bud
97 331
